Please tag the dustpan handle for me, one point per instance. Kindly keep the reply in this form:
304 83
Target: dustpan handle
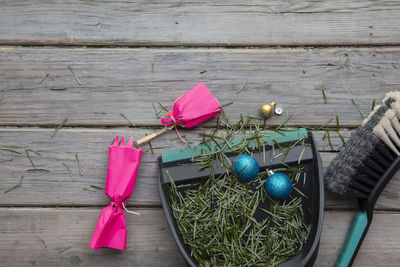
355 237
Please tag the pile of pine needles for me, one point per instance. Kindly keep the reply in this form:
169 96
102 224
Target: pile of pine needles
226 222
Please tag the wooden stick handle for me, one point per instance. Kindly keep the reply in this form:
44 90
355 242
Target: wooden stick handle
148 138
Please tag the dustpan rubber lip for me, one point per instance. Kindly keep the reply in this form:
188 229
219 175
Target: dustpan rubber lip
308 260
171 221
315 247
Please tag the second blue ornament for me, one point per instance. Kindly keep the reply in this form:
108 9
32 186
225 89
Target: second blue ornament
246 167
278 185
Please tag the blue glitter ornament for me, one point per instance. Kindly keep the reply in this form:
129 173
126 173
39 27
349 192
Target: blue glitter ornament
278 185
246 168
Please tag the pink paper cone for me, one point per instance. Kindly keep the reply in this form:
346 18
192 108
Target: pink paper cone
121 177
194 107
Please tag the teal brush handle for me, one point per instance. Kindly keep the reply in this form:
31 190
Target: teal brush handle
355 236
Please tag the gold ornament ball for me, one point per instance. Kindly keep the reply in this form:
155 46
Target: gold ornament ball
267 109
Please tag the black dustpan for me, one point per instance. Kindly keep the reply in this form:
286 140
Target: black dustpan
175 164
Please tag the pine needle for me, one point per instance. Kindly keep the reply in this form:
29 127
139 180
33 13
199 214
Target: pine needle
11 150
298 191
226 104
156 112
329 140
151 148
100 112
69 172
358 108
59 88
241 87
29 158
43 243
97 187
58 128
163 107
301 155
34 151
44 78
204 71
255 117
63 249
37 170
34 168
79 164
323 140
2 95
88 189
341 138
126 118
5 160
152 67
324 96
75 77
337 122
373 104
150 145
15 186
323 126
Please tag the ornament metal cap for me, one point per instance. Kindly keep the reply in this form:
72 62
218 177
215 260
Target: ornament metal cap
270 173
278 110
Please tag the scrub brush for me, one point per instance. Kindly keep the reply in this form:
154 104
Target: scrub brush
364 166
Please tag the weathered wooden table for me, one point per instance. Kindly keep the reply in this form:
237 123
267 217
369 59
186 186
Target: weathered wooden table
130 54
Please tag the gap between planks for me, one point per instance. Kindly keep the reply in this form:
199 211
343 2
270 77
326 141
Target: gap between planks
192 46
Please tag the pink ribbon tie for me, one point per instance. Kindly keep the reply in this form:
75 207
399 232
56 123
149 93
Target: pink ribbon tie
176 126
132 212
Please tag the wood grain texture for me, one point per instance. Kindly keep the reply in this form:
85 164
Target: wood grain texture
39 89
382 238
35 237
207 23
121 81
56 187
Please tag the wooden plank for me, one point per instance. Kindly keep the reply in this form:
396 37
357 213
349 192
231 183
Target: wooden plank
150 242
36 236
121 81
56 188
226 23
378 248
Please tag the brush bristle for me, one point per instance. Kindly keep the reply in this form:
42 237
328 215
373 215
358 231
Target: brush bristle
369 153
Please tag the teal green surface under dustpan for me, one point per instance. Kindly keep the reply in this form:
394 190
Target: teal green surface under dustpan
183 177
